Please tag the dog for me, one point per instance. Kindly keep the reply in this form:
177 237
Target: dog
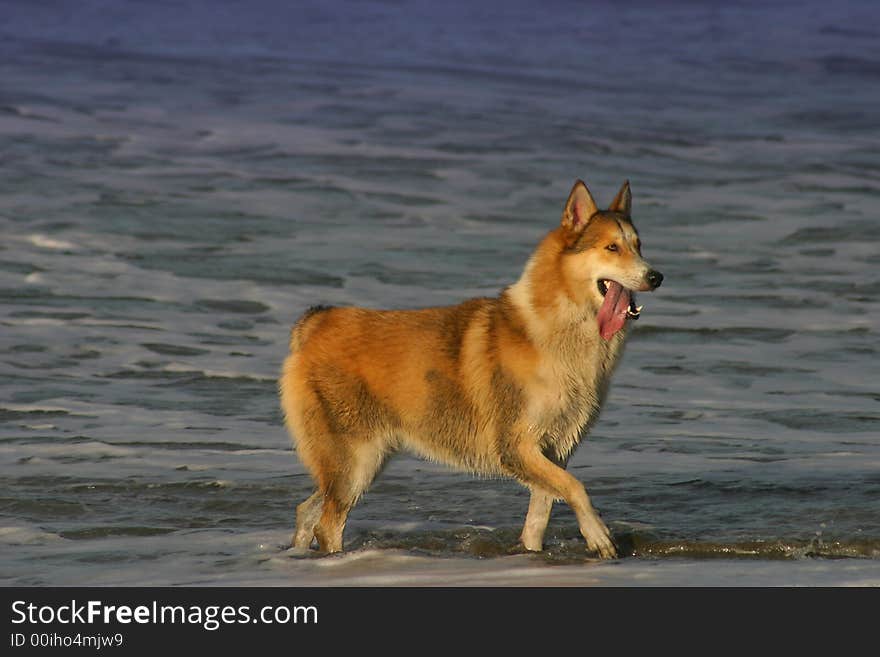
503 386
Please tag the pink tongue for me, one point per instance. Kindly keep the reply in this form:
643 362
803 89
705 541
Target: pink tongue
612 314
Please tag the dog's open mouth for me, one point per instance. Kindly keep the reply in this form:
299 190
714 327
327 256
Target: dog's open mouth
619 304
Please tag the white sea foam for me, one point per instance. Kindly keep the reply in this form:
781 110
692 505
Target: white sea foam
218 374
23 535
36 408
45 242
34 278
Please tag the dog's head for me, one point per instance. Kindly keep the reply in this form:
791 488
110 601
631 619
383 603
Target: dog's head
602 257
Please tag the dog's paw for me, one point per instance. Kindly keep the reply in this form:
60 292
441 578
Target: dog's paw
599 540
604 548
531 543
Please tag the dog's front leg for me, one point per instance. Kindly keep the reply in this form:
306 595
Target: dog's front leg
534 469
540 505
538 516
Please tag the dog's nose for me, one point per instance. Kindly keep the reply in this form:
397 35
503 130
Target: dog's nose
654 278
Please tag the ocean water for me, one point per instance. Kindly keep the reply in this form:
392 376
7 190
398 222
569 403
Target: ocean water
179 183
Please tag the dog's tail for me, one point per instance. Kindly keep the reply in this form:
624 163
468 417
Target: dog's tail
305 325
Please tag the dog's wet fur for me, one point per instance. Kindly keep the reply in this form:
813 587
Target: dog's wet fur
503 386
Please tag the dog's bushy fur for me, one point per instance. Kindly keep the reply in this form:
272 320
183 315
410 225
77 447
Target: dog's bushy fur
498 386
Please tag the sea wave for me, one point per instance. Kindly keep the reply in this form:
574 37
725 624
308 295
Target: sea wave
487 543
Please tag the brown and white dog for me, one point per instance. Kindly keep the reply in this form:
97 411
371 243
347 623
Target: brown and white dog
501 386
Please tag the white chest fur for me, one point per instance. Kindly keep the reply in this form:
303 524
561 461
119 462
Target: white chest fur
570 388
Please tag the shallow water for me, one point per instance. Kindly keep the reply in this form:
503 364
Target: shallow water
177 186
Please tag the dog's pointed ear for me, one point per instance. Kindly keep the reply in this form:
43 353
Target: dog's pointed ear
579 207
622 203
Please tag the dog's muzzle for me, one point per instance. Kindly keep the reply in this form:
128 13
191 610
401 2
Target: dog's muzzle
654 278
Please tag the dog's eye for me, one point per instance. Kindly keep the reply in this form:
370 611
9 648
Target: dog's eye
612 247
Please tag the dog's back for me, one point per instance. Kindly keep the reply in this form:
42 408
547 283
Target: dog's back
374 381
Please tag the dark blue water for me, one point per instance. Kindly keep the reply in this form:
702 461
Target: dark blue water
178 183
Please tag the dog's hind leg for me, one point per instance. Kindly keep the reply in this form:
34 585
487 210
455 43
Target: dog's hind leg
307 515
352 475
